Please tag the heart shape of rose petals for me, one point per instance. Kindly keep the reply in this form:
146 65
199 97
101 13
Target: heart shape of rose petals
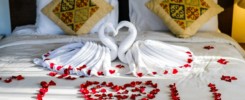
94 90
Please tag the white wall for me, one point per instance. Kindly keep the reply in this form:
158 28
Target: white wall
5 27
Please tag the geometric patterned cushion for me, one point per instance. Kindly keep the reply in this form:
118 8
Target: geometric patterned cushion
184 17
77 17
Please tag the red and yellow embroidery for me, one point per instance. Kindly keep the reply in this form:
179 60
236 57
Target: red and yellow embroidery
74 13
184 12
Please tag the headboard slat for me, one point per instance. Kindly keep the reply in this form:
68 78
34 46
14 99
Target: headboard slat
225 18
22 12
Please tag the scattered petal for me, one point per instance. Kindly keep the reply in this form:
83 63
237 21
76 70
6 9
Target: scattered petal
8 80
52 74
43 91
175 71
100 73
89 72
103 90
52 83
120 66
44 84
59 67
20 77
208 47
233 78
228 78
112 71
189 60
154 73
51 65
140 74
222 61
151 96
39 97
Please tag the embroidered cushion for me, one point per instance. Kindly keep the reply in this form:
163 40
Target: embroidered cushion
184 17
77 17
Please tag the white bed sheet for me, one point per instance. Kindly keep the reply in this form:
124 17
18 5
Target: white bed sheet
17 53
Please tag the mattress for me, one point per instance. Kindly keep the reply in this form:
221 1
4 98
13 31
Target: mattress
18 51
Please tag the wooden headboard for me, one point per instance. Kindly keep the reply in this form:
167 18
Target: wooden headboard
23 12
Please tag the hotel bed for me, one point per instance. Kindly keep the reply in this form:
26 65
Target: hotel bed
216 54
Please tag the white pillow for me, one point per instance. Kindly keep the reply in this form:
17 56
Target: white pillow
46 26
146 20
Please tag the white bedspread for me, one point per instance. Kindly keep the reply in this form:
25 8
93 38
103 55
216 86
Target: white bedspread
17 53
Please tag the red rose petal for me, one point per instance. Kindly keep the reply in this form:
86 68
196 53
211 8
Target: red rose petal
51 65
39 97
144 99
142 90
51 83
44 84
154 73
154 85
125 92
189 60
8 80
165 72
70 68
133 96
89 72
133 84
53 74
96 82
211 85
112 71
208 47
119 66
222 61
83 86
67 71
93 90
103 83
110 84
140 74
110 95
43 91
188 52
59 67
175 71
233 78
82 67
150 96
19 77
84 91
100 73
103 90
187 65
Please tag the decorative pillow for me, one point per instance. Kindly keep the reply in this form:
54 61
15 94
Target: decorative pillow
145 20
77 17
184 17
